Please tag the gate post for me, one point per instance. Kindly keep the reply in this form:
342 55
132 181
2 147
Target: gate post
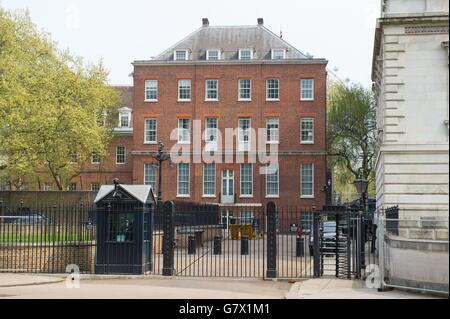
316 249
271 240
168 237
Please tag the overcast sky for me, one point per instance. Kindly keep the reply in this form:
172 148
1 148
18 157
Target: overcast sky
119 32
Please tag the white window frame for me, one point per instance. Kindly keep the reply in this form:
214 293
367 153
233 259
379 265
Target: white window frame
241 182
240 88
278 183
267 90
153 168
149 88
92 187
205 195
268 129
273 54
313 130
211 145
243 50
190 90
188 180
208 54
181 136
146 130
244 146
251 218
301 181
73 158
302 90
72 189
186 52
94 162
207 90
124 155
128 115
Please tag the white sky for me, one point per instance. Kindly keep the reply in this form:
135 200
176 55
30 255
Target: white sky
119 32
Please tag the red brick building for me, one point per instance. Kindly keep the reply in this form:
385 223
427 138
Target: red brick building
233 77
220 78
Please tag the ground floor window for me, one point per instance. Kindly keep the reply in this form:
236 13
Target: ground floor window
95 187
150 173
183 179
246 218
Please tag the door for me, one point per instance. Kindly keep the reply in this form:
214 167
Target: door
227 218
227 187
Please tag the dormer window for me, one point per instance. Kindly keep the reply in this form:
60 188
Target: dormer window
278 54
213 55
245 54
180 55
124 118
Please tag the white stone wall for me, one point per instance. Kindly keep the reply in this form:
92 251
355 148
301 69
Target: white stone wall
411 7
413 110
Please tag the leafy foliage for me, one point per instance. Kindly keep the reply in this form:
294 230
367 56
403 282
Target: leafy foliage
352 131
50 103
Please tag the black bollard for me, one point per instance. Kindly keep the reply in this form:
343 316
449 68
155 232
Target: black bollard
244 245
191 245
217 245
300 251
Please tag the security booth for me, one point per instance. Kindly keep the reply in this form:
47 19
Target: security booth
124 217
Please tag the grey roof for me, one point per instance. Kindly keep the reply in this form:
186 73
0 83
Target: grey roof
229 40
141 192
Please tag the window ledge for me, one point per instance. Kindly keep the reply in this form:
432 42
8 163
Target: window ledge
246 196
150 143
272 100
244 100
272 196
211 100
183 196
150 101
307 143
307 197
184 101
209 196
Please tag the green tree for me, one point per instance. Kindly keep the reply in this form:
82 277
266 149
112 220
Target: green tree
50 104
351 132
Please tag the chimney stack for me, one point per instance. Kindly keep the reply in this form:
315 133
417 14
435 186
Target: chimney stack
260 21
205 22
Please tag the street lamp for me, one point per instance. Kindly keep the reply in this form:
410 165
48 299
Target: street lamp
161 158
361 185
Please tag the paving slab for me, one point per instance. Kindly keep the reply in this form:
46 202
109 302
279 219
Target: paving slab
344 289
18 280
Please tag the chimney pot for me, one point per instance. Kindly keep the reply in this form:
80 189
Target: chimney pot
205 22
260 21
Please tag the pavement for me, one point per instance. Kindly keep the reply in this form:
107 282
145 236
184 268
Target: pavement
19 280
24 286
332 288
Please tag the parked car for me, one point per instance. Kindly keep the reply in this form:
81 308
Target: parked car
25 216
329 236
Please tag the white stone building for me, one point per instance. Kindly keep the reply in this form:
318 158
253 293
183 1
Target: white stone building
411 78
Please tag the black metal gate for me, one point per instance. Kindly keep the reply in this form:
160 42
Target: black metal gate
232 241
345 245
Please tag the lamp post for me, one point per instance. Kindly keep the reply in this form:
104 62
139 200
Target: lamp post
361 187
161 158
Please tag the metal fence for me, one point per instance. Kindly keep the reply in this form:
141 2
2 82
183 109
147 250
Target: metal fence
235 241
47 238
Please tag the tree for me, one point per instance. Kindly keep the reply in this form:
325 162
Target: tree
351 131
50 104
